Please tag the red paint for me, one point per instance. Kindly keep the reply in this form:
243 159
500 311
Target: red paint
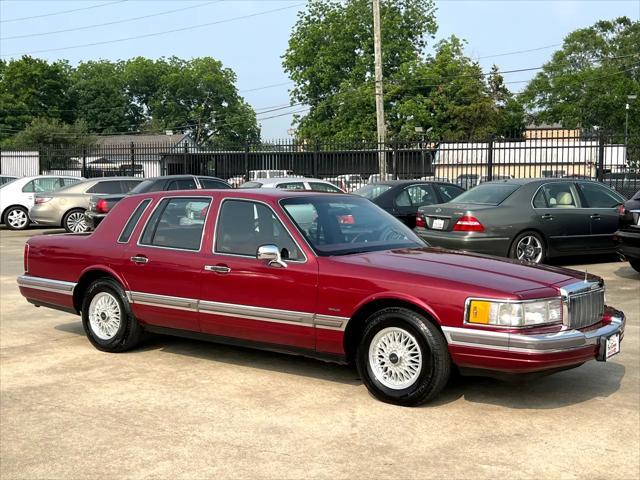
433 280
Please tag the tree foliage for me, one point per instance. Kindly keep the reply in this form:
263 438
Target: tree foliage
52 133
587 81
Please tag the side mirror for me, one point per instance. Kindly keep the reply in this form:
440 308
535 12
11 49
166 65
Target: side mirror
271 254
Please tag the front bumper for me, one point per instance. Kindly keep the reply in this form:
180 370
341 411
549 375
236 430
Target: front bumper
628 243
522 353
473 242
93 219
44 214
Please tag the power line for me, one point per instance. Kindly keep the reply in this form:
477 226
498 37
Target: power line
61 12
516 52
115 22
154 34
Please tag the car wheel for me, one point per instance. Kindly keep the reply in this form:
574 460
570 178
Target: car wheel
107 318
529 247
402 357
74 222
16 218
635 264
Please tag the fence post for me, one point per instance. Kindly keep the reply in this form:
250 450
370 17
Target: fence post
314 165
490 160
84 161
246 160
600 169
132 155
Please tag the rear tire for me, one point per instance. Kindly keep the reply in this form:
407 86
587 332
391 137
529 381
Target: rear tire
402 357
74 221
107 318
16 218
529 247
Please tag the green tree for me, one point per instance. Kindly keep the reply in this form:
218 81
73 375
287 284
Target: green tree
587 81
31 88
509 121
45 132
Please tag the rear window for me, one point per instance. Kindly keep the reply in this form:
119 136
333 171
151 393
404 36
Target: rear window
143 187
487 194
251 185
372 191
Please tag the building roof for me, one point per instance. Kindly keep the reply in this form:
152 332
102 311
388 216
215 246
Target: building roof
154 139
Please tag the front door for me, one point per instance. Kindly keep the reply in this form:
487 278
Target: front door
601 204
163 267
243 297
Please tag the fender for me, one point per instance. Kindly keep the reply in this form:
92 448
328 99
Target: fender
105 269
397 296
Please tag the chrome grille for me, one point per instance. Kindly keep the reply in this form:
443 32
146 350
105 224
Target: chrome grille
585 308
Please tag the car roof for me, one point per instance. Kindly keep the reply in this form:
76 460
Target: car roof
271 181
406 182
526 181
248 193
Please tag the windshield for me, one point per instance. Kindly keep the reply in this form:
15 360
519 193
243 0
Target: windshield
372 191
487 194
341 225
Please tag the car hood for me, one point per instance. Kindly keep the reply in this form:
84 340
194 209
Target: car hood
504 275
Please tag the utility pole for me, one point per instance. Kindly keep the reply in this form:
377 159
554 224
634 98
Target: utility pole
377 49
626 125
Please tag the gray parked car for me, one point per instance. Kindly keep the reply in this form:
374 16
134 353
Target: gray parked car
66 207
526 219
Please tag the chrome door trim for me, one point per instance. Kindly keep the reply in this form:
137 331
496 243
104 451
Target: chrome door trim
46 284
164 301
256 313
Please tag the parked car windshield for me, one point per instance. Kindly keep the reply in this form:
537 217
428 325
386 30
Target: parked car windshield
487 194
341 225
372 191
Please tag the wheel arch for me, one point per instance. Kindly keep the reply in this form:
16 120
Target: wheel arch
90 275
355 326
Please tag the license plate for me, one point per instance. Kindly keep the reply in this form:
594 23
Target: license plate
438 224
612 346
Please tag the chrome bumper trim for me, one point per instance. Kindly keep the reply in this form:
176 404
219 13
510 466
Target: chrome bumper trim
563 341
46 284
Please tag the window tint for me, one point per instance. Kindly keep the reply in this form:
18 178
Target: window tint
106 187
560 195
182 184
213 184
448 192
244 226
416 196
133 221
598 196
539 201
324 187
488 194
291 186
372 191
177 223
48 184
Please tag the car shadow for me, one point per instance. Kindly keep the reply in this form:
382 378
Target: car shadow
578 385
627 272
574 260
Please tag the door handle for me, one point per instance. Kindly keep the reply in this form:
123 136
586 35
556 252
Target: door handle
547 216
140 259
217 268
596 216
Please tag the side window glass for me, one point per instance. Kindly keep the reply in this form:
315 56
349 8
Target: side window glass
324 187
182 184
449 192
403 199
244 226
560 195
598 196
291 186
213 184
421 195
66 181
105 187
177 223
29 187
539 201
45 185
133 221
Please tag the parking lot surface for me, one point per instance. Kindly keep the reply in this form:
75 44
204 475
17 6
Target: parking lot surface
179 408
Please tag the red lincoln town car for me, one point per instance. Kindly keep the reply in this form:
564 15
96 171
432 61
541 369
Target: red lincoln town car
325 275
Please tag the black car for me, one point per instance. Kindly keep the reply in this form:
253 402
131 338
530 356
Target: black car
628 235
402 198
526 219
100 206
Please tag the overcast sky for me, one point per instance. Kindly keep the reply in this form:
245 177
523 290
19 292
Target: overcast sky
252 46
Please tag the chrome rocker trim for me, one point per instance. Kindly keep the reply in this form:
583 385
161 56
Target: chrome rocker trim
46 284
563 341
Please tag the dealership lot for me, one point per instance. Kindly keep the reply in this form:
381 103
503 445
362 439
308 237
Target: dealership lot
181 408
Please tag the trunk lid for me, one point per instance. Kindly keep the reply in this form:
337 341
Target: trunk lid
444 216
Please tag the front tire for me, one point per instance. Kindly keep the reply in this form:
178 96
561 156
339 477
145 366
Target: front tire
402 357
16 218
74 221
529 247
107 318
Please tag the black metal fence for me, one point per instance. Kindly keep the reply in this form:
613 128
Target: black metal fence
608 159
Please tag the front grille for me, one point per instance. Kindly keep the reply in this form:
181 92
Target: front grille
585 308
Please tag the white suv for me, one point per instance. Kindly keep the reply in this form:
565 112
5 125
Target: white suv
17 197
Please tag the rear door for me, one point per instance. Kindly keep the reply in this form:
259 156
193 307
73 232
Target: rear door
601 204
409 199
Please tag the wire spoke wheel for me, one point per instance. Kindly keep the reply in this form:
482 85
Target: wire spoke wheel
17 218
76 222
104 316
395 358
529 249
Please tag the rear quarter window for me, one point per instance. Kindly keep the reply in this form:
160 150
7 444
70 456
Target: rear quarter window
488 194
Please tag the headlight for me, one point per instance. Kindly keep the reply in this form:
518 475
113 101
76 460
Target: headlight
514 314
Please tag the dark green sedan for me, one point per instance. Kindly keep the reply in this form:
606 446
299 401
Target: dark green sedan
526 219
